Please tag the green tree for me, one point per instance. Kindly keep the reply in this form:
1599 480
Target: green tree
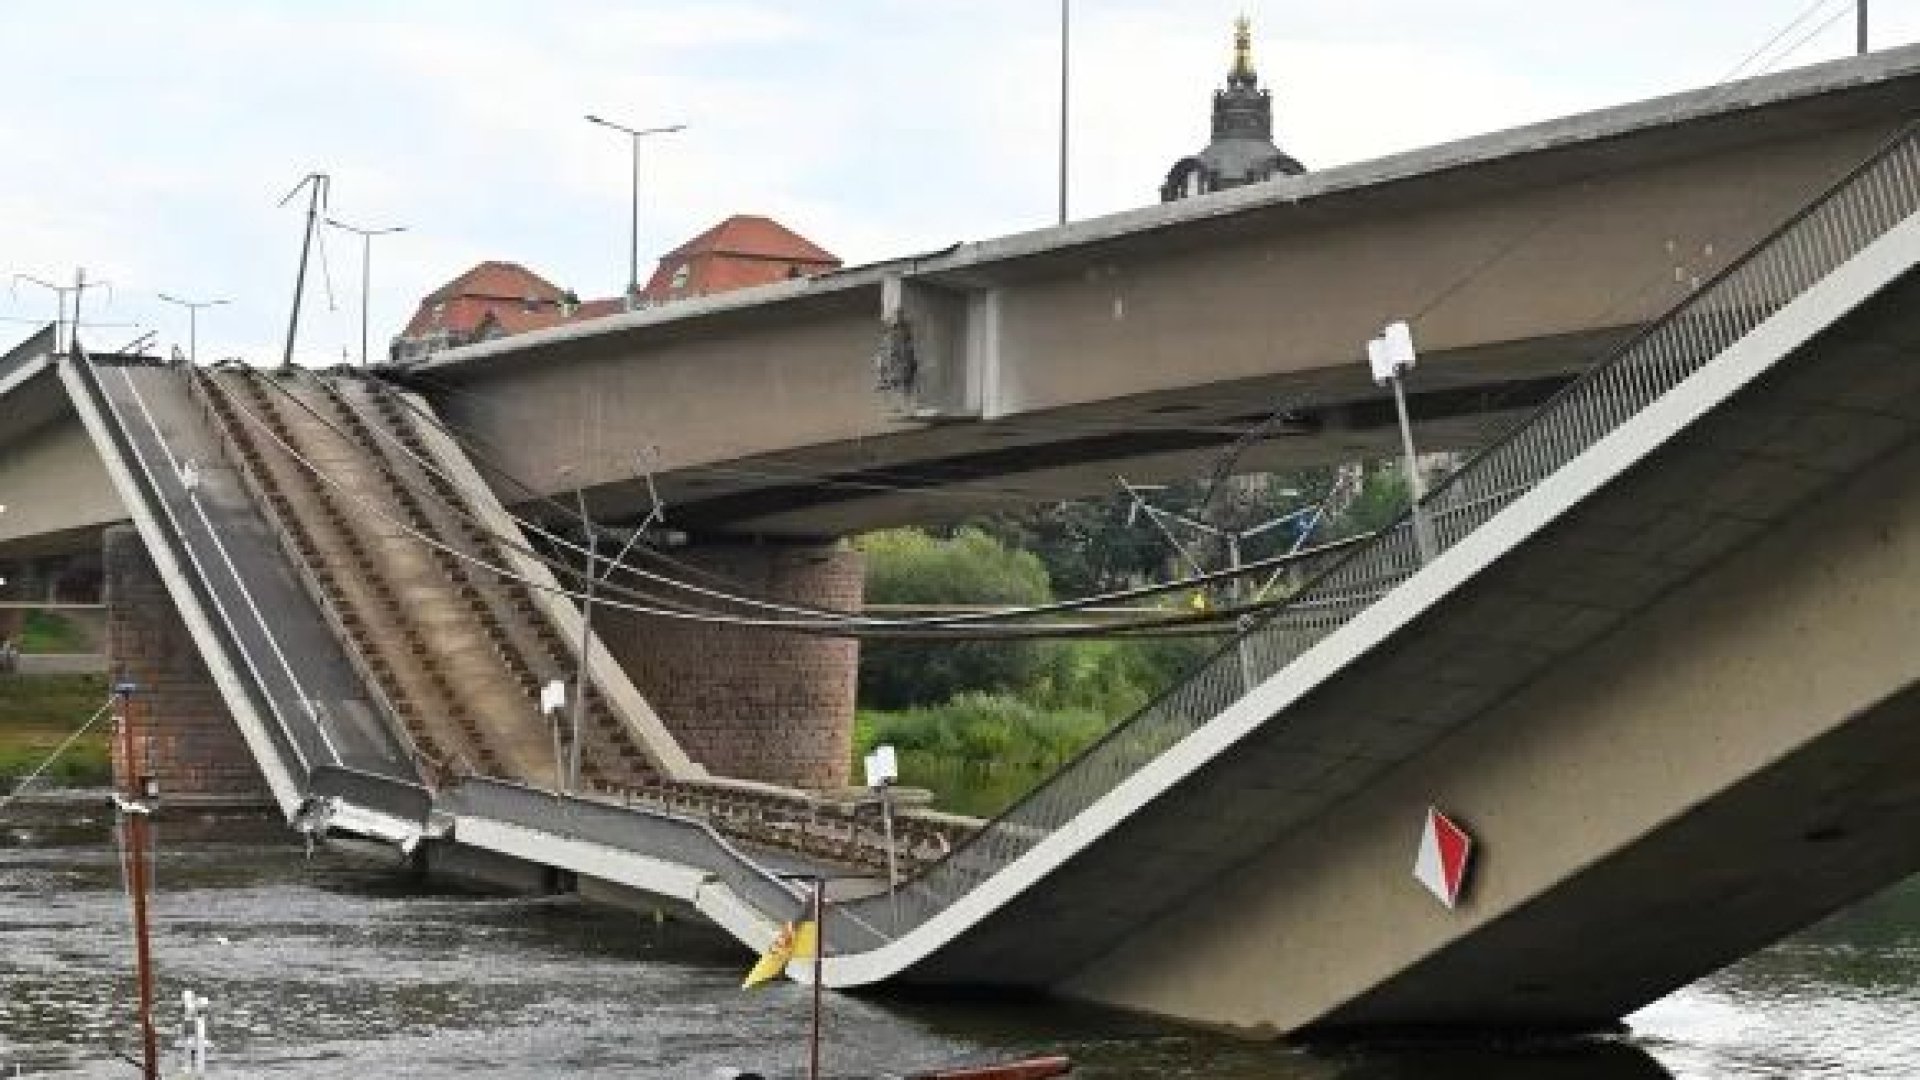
908 566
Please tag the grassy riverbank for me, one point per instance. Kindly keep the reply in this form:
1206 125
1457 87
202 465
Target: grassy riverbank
52 632
978 752
37 714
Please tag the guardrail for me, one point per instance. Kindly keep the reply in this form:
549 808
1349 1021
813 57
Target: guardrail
642 830
1863 205
293 761
372 791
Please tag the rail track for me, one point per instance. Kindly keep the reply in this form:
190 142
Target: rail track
456 653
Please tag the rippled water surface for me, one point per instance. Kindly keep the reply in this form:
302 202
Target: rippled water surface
334 968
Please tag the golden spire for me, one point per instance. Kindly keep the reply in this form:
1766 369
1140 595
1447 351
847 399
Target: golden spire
1242 48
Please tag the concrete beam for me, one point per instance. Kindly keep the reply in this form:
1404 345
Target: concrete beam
1517 255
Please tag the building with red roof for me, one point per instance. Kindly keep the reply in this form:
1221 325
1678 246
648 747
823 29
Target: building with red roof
743 250
497 299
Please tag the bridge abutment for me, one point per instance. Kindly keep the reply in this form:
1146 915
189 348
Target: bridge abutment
748 703
193 744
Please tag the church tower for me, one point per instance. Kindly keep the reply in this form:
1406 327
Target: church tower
1242 150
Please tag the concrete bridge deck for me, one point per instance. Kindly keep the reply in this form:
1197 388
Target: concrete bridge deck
1630 666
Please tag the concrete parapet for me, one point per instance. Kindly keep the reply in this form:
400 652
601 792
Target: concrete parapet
748 703
194 747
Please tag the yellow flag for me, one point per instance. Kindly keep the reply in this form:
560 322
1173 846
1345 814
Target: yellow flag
806 939
793 942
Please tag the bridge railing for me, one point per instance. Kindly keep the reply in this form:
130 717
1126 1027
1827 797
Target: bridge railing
1862 206
658 834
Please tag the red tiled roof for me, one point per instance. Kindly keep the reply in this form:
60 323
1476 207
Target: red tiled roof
754 236
503 289
496 299
743 250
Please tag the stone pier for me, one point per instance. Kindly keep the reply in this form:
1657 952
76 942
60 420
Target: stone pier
747 703
190 740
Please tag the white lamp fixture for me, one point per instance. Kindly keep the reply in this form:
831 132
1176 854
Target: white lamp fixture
882 767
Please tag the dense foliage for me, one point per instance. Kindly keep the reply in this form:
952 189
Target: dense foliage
1006 713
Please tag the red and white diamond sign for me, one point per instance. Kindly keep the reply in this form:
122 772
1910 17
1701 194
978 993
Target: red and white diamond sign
1442 864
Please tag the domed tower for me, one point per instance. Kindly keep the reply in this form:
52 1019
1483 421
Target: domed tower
1242 150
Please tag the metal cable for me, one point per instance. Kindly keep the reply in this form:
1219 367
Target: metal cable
985 617
20 789
930 627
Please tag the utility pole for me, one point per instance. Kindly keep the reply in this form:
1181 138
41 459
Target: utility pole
316 202
1065 53
819 974
1860 26
594 576
136 804
193 323
633 243
366 270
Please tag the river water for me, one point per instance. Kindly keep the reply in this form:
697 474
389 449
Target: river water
333 968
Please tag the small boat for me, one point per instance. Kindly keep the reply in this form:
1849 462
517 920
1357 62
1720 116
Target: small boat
1029 1069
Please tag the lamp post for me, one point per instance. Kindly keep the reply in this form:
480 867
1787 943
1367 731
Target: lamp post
79 290
1390 356
366 270
1064 73
193 322
633 246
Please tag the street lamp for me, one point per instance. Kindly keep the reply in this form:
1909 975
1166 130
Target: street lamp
1065 56
1389 357
193 322
366 270
633 247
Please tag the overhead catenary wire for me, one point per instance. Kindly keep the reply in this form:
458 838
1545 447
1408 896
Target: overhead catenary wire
1809 36
1805 14
933 628
1278 565
1052 607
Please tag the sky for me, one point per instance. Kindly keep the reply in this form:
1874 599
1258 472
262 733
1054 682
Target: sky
149 142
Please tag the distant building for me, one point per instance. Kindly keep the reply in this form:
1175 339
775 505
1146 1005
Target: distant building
499 299
1242 150
494 299
743 250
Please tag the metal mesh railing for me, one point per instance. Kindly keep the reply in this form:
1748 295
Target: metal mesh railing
1864 205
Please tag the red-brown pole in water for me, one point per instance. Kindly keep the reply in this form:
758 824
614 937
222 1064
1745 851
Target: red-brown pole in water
819 966
135 821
